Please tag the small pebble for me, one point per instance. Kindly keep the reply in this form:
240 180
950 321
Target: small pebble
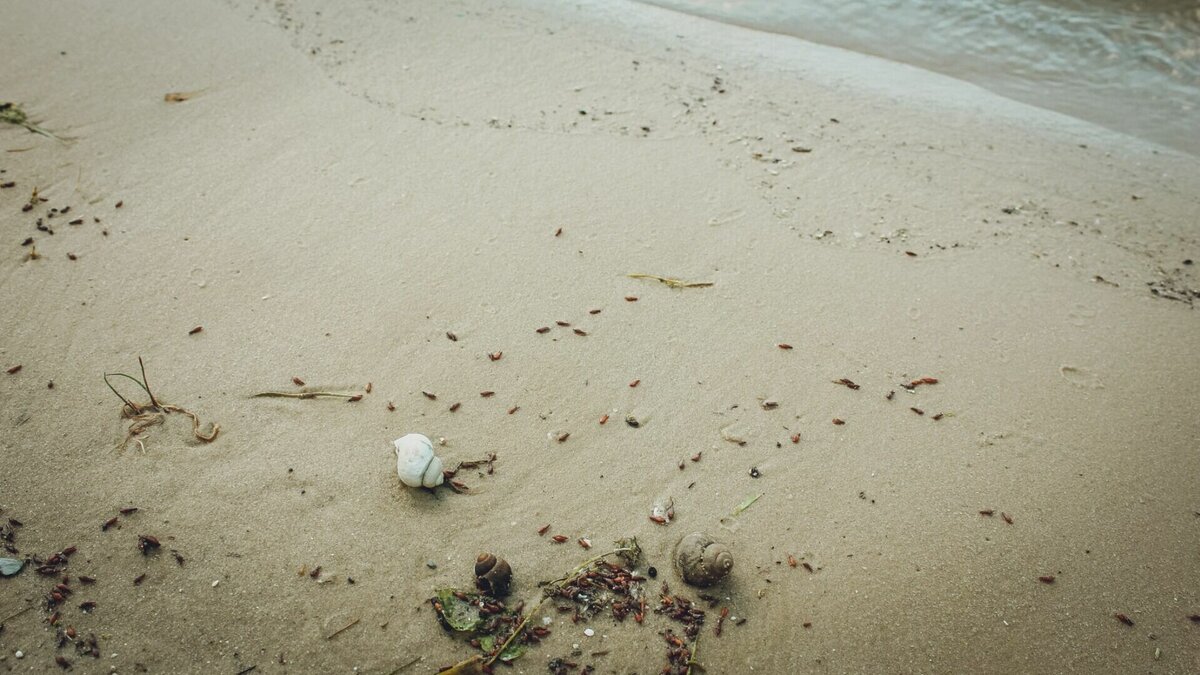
589 632
214 585
431 564
19 654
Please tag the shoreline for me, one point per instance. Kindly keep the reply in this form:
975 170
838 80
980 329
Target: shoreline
342 189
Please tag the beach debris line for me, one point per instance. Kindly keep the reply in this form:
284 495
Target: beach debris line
146 415
670 281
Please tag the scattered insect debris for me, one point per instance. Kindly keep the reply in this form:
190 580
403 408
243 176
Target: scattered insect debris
918 382
671 282
147 415
849 384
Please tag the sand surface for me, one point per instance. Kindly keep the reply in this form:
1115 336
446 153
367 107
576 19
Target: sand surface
349 181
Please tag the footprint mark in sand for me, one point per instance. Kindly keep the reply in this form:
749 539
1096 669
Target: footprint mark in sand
1081 315
1081 377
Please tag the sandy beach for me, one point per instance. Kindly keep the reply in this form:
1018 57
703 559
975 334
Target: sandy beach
343 188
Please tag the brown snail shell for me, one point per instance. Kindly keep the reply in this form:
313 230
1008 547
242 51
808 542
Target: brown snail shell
492 575
701 561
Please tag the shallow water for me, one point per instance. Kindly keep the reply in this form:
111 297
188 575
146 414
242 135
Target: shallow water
1132 67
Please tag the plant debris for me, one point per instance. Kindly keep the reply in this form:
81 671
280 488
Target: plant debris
147 415
13 114
671 282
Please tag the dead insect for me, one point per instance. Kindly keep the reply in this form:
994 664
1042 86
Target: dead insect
632 421
137 581
838 421
452 336
178 558
355 398
391 406
496 356
847 383
108 524
585 543
580 332
910 254
369 387
1047 579
72 256
455 407
543 529
808 567
792 560
558 232
918 411
487 394
603 419
14 370
937 417
84 579
562 436
543 329
315 573
769 405
784 346
564 324
70 632
147 544
796 438
891 395
987 512
631 298
429 395
1007 518
559 538
1194 618
298 382
635 383
120 204
1123 619
594 311
195 330
514 409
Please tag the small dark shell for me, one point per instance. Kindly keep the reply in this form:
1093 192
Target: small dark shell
492 575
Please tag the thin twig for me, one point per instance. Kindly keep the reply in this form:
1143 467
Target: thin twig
146 383
343 629
10 618
405 666
302 394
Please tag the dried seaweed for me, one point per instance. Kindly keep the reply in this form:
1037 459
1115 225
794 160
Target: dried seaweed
146 415
672 282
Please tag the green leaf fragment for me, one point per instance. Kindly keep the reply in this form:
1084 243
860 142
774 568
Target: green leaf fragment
457 614
747 503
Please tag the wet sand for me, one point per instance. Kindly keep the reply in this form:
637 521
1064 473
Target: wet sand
343 188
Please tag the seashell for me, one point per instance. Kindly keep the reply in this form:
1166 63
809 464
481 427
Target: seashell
416 464
492 575
701 561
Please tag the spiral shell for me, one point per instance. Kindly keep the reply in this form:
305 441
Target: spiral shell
701 561
492 575
416 464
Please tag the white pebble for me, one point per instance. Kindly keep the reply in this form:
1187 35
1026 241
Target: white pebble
589 632
546 621
19 654
216 582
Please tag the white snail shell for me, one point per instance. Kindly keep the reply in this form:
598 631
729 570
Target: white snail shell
416 464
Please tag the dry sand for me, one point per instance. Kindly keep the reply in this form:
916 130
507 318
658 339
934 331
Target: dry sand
353 180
